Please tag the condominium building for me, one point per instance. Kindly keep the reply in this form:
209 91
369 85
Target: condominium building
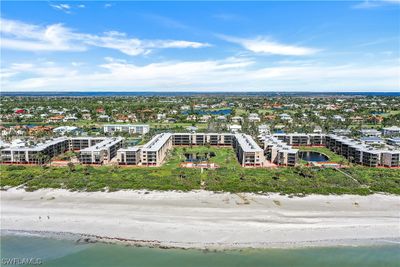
154 152
128 128
129 155
302 139
277 148
390 158
217 139
391 131
394 141
36 154
370 132
81 142
248 152
279 152
100 152
360 153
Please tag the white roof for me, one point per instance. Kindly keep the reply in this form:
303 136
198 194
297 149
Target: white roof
106 143
157 142
235 126
392 128
131 148
247 143
37 147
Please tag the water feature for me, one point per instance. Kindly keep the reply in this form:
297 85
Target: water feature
199 157
223 112
313 156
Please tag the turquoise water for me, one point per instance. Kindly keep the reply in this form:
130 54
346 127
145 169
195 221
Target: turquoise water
67 253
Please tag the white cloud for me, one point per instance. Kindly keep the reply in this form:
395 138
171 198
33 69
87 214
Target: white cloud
22 36
369 4
263 45
209 75
178 44
62 7
56 37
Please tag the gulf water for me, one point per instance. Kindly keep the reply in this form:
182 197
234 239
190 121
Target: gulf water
55 252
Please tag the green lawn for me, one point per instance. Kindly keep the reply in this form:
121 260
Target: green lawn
230 177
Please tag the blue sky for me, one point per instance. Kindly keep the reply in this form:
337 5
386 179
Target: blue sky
200 46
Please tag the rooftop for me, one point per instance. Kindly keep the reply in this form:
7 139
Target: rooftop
106 143
157 142
247 143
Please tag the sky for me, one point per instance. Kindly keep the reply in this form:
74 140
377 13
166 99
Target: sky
200 46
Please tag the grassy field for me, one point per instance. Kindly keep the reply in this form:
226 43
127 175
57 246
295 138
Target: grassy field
231 177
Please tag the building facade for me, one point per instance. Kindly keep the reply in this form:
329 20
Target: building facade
128 128
101 152
37 154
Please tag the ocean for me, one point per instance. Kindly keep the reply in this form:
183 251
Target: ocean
55 252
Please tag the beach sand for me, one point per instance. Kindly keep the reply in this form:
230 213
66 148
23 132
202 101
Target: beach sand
202 219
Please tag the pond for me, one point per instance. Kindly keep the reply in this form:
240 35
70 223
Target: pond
313 156
227 111
199 157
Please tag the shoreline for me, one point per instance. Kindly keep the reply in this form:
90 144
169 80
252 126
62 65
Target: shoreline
217 247
202 219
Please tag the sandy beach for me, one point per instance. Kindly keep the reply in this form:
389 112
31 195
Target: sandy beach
202 219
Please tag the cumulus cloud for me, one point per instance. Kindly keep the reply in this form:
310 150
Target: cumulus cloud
56 37
264 45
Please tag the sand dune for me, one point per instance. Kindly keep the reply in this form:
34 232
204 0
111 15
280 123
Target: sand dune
202 219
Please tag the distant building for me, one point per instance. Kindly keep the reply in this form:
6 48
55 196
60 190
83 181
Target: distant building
56 119
103 118
70 118
234 128
285 117
317 129
339 118
253 117
192 129
263 129
395 141
237 119
161 116
372 140
344 132
128 128
62 130
391 131
370 132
